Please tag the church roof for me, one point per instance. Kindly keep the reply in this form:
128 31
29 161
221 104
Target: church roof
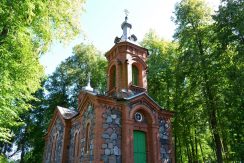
67 113
148 97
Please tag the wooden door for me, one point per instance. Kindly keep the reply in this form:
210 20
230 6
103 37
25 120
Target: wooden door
140 155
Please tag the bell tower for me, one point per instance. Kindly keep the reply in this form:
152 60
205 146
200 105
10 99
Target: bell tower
127 64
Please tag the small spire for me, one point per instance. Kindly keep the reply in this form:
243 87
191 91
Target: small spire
89 79
126 26
88 87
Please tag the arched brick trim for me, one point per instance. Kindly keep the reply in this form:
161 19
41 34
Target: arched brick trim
87 138
142 68
137 59
76 146
147 113
54 146
112 63
112 76
149 127
88 117
136 75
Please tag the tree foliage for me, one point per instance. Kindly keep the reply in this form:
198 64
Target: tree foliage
72 74
229 28
26 30
201 63
200 77
59 89
161 69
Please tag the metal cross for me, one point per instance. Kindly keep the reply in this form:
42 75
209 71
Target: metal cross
126 12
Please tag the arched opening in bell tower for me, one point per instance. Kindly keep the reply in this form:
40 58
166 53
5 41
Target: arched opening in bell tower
112 77
135 75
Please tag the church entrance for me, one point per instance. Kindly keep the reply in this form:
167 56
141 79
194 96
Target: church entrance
140 155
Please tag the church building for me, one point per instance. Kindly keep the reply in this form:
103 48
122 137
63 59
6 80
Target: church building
124 125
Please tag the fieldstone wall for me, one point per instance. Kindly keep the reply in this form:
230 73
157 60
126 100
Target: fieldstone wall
75 127
111 136
88 116
47 151
57 129
164 141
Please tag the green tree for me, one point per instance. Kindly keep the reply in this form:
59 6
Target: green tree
3 159
29 138
171 86
59 89
27 28
229 27
192 18
161 69
207 66
72 74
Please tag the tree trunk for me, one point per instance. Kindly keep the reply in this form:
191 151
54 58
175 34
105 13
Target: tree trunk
217 140
196 154
181 160
224 146
22 154
187 148
209 97
200 145
192 148
211 108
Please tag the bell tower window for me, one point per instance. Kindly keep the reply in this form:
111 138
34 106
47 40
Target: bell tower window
135 75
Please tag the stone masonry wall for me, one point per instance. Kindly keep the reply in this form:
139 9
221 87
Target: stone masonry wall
164 141
58 128
75 127
111 136
88 116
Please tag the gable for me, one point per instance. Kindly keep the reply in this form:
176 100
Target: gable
85 98
61 114
145 100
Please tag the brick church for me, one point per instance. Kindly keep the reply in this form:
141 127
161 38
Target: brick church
124 125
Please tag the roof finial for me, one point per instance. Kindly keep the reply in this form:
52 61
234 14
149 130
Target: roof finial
88 87
126 14
89 79
126 26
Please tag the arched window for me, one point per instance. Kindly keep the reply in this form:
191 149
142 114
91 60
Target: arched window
135 75
87 143
76 145
53 148
112 77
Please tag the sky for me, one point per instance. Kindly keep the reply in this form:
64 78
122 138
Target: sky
101 23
